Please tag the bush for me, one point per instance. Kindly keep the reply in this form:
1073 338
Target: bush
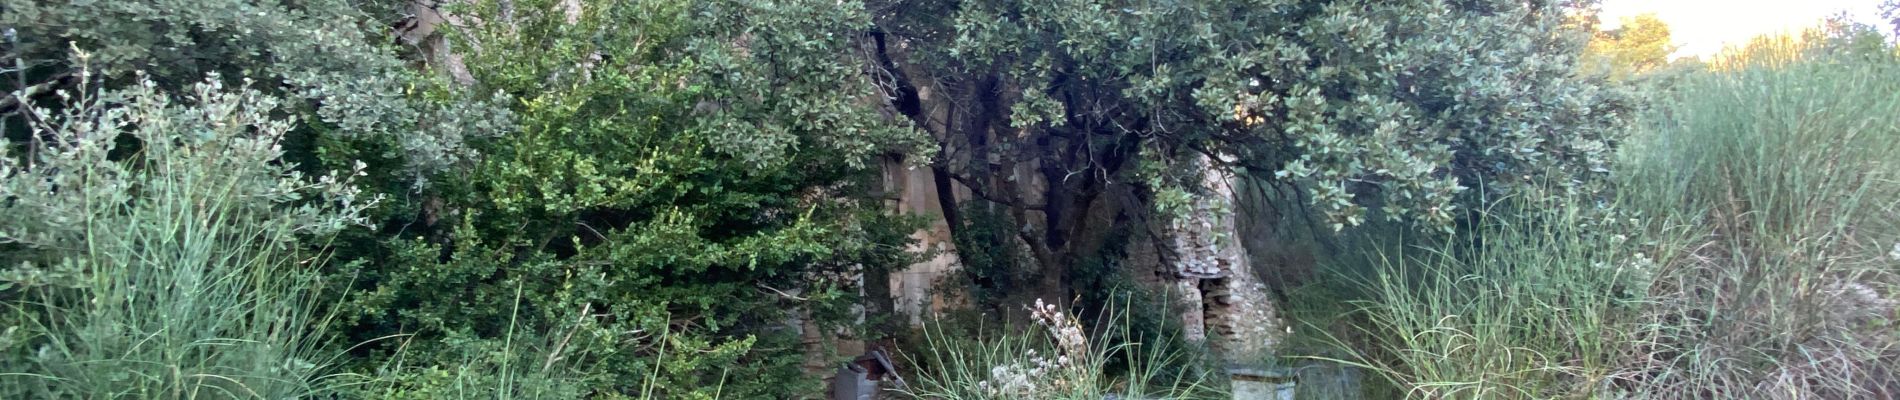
327 59
680 185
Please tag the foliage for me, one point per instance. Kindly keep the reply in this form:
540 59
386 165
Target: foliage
1891 10
1398 105
1639 44
1053 360
685 179
1076 122
1747 253
155 248
1537 303
1781 160
327 56
989 261
662 199
522 365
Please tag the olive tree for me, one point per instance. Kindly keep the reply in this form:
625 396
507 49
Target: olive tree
1081 121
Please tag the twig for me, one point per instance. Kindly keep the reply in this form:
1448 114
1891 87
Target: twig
978 191
15 102
781 293
556 354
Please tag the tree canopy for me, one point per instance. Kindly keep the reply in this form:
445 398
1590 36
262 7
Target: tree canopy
1638 44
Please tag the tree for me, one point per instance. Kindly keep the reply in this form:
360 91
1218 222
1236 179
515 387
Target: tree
1085 121
1640 44
330 56
1891 11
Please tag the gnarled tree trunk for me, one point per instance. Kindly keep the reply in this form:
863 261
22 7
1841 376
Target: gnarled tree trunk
1066 191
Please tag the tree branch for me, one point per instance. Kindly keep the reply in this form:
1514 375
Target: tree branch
986 196
16 101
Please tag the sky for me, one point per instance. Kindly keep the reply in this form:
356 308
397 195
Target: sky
1703 27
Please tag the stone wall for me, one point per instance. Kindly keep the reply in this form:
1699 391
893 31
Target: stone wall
912 289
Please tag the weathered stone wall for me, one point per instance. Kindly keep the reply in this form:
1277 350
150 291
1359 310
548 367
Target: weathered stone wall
421 31
912 289
1199 256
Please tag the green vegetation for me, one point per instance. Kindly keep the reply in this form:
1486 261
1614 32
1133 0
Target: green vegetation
1371 109
1748 252
1055 360
1639 44
656 199
626 229
1781 166
154 251
1532 304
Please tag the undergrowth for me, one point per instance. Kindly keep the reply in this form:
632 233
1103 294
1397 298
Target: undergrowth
1748 250
1057 359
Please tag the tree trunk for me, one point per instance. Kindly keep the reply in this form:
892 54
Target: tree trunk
1058 186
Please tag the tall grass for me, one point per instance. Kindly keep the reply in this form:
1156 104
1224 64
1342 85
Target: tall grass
1532 304
529 363
1749 251
1784 159
157 250
1054 361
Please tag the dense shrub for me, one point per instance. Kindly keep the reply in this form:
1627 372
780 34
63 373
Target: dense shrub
330 59
685 179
